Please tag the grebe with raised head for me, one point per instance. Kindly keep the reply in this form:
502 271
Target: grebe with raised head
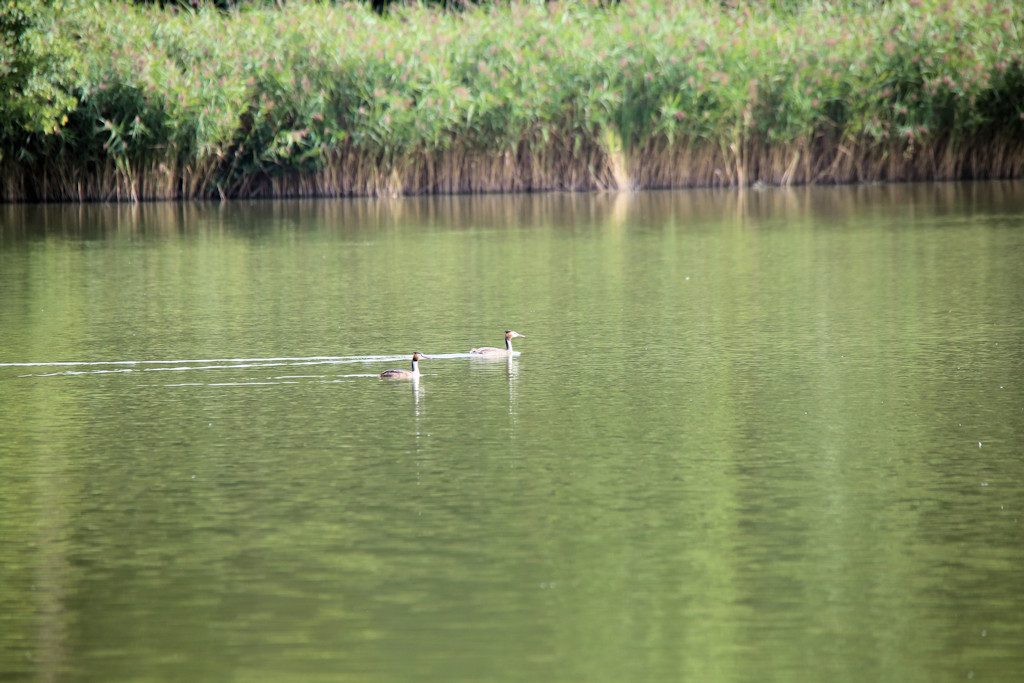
406 374
495 351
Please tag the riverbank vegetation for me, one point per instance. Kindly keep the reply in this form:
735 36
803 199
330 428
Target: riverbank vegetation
134 102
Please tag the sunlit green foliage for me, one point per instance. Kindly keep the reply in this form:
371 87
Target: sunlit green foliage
196 104
35 64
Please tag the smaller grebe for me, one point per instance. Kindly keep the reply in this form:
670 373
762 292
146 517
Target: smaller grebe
406 374
493 351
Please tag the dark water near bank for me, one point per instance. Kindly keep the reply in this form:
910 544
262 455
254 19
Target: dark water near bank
770 436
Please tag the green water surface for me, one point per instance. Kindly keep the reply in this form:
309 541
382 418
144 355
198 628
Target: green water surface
776 435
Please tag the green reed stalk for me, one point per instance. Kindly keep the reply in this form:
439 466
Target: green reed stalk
332 100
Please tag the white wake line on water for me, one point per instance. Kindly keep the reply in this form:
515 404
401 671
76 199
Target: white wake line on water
281 359
279 380
228 384
181 368
234 364
299 360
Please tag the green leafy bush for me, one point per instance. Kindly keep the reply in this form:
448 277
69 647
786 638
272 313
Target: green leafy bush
35 67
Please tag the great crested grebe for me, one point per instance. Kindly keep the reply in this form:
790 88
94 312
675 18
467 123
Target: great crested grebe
494 351
406 374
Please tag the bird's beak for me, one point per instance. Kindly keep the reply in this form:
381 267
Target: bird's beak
422 356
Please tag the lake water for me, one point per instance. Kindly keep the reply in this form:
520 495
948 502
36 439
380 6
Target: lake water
776 435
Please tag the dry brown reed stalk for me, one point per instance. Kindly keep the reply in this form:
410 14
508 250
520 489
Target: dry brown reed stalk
531 167
825 161
528 168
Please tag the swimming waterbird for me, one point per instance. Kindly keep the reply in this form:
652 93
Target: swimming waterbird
493 350
406 374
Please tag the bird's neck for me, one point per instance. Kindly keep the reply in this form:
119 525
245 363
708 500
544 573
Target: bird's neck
415 367
508 344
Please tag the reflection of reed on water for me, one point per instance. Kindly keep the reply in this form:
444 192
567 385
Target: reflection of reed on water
587 212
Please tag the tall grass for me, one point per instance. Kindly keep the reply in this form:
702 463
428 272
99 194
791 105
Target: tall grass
322 100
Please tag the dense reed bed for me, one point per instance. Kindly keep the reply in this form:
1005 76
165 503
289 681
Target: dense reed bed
333 100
